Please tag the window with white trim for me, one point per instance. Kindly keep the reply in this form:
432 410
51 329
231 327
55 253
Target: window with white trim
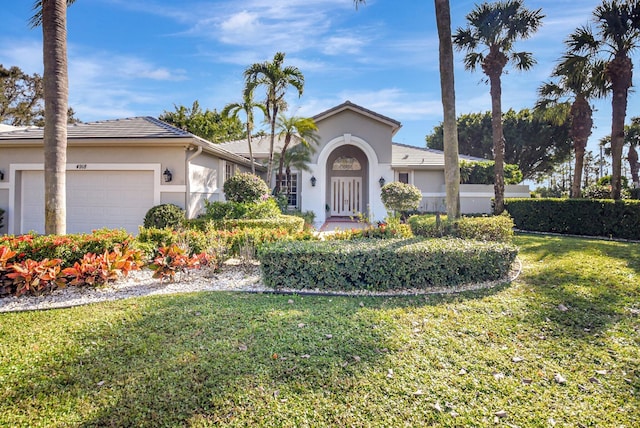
403 177
229 170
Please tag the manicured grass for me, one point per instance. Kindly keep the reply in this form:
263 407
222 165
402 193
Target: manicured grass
229 359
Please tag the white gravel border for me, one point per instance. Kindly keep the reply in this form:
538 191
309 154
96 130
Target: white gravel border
234 276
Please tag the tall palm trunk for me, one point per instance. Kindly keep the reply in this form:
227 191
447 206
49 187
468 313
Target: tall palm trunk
498 141
253 166
274 115
620 72
287 141
56 93
581 125
447 88
634 166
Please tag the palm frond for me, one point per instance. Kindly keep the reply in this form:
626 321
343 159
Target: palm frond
36 19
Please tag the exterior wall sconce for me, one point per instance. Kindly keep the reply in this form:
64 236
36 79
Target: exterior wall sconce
167 176
313 181
382 181
1 175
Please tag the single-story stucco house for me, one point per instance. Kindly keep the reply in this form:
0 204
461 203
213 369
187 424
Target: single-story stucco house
118 169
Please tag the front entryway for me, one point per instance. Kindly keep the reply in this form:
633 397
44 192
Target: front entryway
346 196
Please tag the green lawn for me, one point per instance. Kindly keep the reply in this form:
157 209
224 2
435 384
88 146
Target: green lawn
230 359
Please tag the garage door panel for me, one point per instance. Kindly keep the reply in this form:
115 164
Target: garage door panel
95 199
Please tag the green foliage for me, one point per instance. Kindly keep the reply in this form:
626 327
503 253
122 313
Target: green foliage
210 125
606 181
494 228
533 143
165 215
309 217
597 191
241 210
380 265
245 187
398 197
292 224
391 228
472 172
591 217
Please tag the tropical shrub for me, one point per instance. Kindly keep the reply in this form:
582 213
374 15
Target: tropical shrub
592 217
493 228
68 248
398 197
165 215
380 265
171 260
99 269
245 187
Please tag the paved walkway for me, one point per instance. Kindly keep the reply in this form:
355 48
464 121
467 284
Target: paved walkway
337 224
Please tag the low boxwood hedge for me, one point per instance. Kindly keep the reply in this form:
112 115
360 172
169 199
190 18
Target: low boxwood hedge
592 217
380 265
291 223
493 228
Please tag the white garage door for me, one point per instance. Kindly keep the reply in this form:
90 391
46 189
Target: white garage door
95 199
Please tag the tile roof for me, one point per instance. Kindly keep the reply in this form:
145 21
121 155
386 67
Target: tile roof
260 146
406 156
133 127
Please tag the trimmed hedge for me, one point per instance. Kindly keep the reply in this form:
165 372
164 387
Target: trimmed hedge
380 265
494 228
591 217
165 215
290 223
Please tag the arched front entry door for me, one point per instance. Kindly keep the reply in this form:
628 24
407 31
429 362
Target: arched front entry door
347 176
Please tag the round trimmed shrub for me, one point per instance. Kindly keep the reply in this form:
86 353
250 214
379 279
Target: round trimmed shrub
398 197
245 187
165 215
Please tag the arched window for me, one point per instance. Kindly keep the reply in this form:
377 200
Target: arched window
346 163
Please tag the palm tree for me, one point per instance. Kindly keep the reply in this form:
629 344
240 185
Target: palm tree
52 16
488 39
247 105
632 136
296 157
450 128
618 34
276 79
578 79
301 129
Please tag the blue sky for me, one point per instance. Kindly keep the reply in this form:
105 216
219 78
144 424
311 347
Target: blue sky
140 57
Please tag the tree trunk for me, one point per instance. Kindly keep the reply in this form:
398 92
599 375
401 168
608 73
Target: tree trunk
498 141
581 125
450 129
634 166
619 71
56 93
274 114
253 167
287 140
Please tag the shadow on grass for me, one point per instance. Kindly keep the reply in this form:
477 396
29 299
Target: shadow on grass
209 356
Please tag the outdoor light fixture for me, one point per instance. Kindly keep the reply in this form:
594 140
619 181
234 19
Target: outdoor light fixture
167 176
1 175
313 181
381 181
